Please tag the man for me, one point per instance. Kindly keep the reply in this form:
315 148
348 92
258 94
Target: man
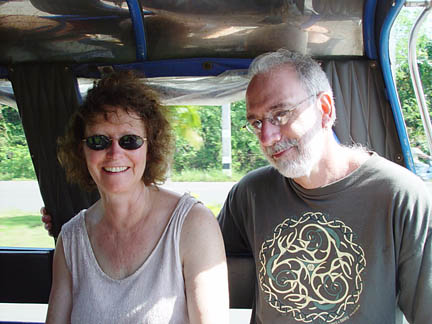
337 234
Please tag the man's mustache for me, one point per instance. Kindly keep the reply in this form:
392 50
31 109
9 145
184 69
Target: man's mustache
280 146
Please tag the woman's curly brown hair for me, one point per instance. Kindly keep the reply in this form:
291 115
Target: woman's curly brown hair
126 90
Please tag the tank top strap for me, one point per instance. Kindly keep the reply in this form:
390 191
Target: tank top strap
184 205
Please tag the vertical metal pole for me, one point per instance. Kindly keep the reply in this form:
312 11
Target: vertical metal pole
226 139
415 75
137 18
384 55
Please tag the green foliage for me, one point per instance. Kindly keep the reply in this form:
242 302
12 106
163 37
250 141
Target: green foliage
10 126
15 161
208 156
404 84
186 123
245 150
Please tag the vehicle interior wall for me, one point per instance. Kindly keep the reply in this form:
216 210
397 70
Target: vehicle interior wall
22 283
363 112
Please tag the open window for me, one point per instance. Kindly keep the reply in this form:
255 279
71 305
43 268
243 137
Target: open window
412 70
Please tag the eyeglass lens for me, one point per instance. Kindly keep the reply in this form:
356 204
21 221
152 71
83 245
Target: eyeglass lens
102 142
278 118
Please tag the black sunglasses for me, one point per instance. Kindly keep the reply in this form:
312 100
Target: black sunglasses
102 142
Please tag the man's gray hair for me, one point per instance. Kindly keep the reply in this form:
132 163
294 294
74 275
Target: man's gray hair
309 72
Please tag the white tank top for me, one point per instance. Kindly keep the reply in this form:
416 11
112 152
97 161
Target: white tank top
154 294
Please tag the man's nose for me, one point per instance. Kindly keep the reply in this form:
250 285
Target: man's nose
270 133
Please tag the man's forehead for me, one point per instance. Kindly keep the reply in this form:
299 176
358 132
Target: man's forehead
277 71
273 80
273 90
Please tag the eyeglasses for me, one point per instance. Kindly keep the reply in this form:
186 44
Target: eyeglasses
102 142
276 118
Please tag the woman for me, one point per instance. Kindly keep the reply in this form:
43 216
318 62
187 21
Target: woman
140 254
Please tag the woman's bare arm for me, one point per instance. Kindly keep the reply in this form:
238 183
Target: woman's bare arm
204 268
60 300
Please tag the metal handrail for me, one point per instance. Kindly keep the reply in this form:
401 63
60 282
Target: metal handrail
137 17
415 75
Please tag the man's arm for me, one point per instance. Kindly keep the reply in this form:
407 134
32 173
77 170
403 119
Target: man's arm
230 220
415 258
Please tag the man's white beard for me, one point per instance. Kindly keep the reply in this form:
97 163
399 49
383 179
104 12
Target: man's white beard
308 151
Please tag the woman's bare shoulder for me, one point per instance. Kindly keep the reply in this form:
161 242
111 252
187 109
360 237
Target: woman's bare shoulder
200 224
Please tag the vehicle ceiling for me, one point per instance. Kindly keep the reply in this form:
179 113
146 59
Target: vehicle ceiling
178 39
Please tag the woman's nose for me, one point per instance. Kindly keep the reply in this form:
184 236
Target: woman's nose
114 148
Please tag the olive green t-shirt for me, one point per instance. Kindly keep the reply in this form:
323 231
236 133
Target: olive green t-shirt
355 251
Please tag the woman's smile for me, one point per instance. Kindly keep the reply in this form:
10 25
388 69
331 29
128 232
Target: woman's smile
115 169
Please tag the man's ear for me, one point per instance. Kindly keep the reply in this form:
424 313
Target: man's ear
327 108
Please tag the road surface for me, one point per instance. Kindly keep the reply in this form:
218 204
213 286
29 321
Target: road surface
25 195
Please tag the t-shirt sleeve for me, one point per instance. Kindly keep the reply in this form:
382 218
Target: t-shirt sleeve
415 256
231 220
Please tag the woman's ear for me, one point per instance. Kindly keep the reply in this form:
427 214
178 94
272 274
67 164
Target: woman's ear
327 108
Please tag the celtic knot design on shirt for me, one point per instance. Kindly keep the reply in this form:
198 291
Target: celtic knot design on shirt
310 268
